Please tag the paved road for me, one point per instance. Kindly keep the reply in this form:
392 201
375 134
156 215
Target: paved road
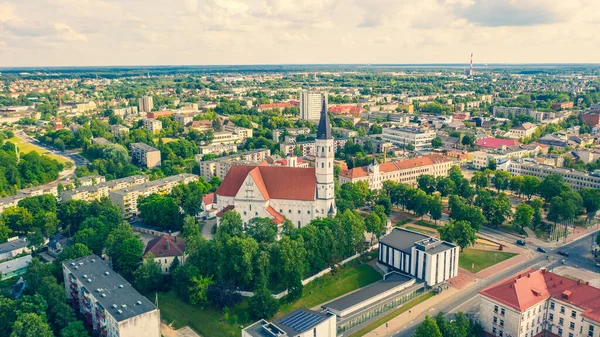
467 301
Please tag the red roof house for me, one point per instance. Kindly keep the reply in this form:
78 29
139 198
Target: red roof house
494 143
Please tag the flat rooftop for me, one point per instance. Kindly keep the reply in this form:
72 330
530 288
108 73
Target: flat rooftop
394 280
290 325
109 288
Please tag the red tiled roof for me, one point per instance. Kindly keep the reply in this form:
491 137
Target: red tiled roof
208 199
278 219
531 287
166 245
221 212
363 171
275 105
496 142
274 182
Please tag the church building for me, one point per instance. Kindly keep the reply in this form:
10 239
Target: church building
280 192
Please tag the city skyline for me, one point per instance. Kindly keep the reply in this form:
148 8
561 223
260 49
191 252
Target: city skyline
216 32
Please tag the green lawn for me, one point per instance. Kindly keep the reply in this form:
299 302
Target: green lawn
392 315
328 287
426 223
507 227
212 322
27 147
422 231
481 259
206 320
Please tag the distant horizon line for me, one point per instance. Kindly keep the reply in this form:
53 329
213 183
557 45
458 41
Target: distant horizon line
402 65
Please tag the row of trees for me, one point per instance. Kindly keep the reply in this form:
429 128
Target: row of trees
25 170
440 326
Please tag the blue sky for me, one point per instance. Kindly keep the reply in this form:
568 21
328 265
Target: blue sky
144 32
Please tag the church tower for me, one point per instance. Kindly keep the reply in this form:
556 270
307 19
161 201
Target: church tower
324 154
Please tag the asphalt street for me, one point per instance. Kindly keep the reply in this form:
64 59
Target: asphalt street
467 301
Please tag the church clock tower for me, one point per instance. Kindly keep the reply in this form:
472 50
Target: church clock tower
324 154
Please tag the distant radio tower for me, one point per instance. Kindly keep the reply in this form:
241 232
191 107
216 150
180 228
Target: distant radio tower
471 67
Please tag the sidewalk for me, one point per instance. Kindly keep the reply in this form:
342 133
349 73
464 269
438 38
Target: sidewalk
398 323
579 232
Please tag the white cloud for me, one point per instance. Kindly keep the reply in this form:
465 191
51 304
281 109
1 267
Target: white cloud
117 32
66 33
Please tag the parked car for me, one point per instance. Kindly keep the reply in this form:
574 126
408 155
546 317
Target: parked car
541 250
563 253
521 242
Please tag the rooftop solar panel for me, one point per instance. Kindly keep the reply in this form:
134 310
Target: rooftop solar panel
302 320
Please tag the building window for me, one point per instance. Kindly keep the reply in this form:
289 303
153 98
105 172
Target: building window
496 309
573 314
315 332
562 309
561 321
572 326
550 317
501 333
552 305
559 331
570 334
502 322
494 331
495 320
502 311
299 224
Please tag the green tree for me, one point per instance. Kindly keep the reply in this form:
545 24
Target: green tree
160 211
230 225
263 230
552 186
427 183
480 179
31 325
459 232
428 328
468 140
74 329
292 263
199 289
18 219
536 221
374 225
445 186
262 305
435 207
591 201
523 215
516 184
124 248
437 142
530 186
498 210
421 204
8 315
501 180
148 276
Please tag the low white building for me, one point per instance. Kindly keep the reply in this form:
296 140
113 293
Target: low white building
152 125
403 136
524 130
167 248
298 323
423 257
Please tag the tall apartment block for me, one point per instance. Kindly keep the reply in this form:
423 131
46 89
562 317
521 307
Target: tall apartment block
146 104
127 198
311 104
110 306
152 125
145 155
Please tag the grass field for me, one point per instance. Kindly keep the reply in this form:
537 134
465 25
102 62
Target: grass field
206 320
210 321
328 287
426 223
422 231
481 259
27 147
392 314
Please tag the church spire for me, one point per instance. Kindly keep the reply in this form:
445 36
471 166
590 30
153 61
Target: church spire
324 130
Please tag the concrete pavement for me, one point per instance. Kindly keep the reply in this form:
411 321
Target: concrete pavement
466 300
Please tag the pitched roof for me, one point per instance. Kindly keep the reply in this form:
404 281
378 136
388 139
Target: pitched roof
533 286
363 171
274 182
324 130
277 217
496 142
227 208
208 199
166 245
